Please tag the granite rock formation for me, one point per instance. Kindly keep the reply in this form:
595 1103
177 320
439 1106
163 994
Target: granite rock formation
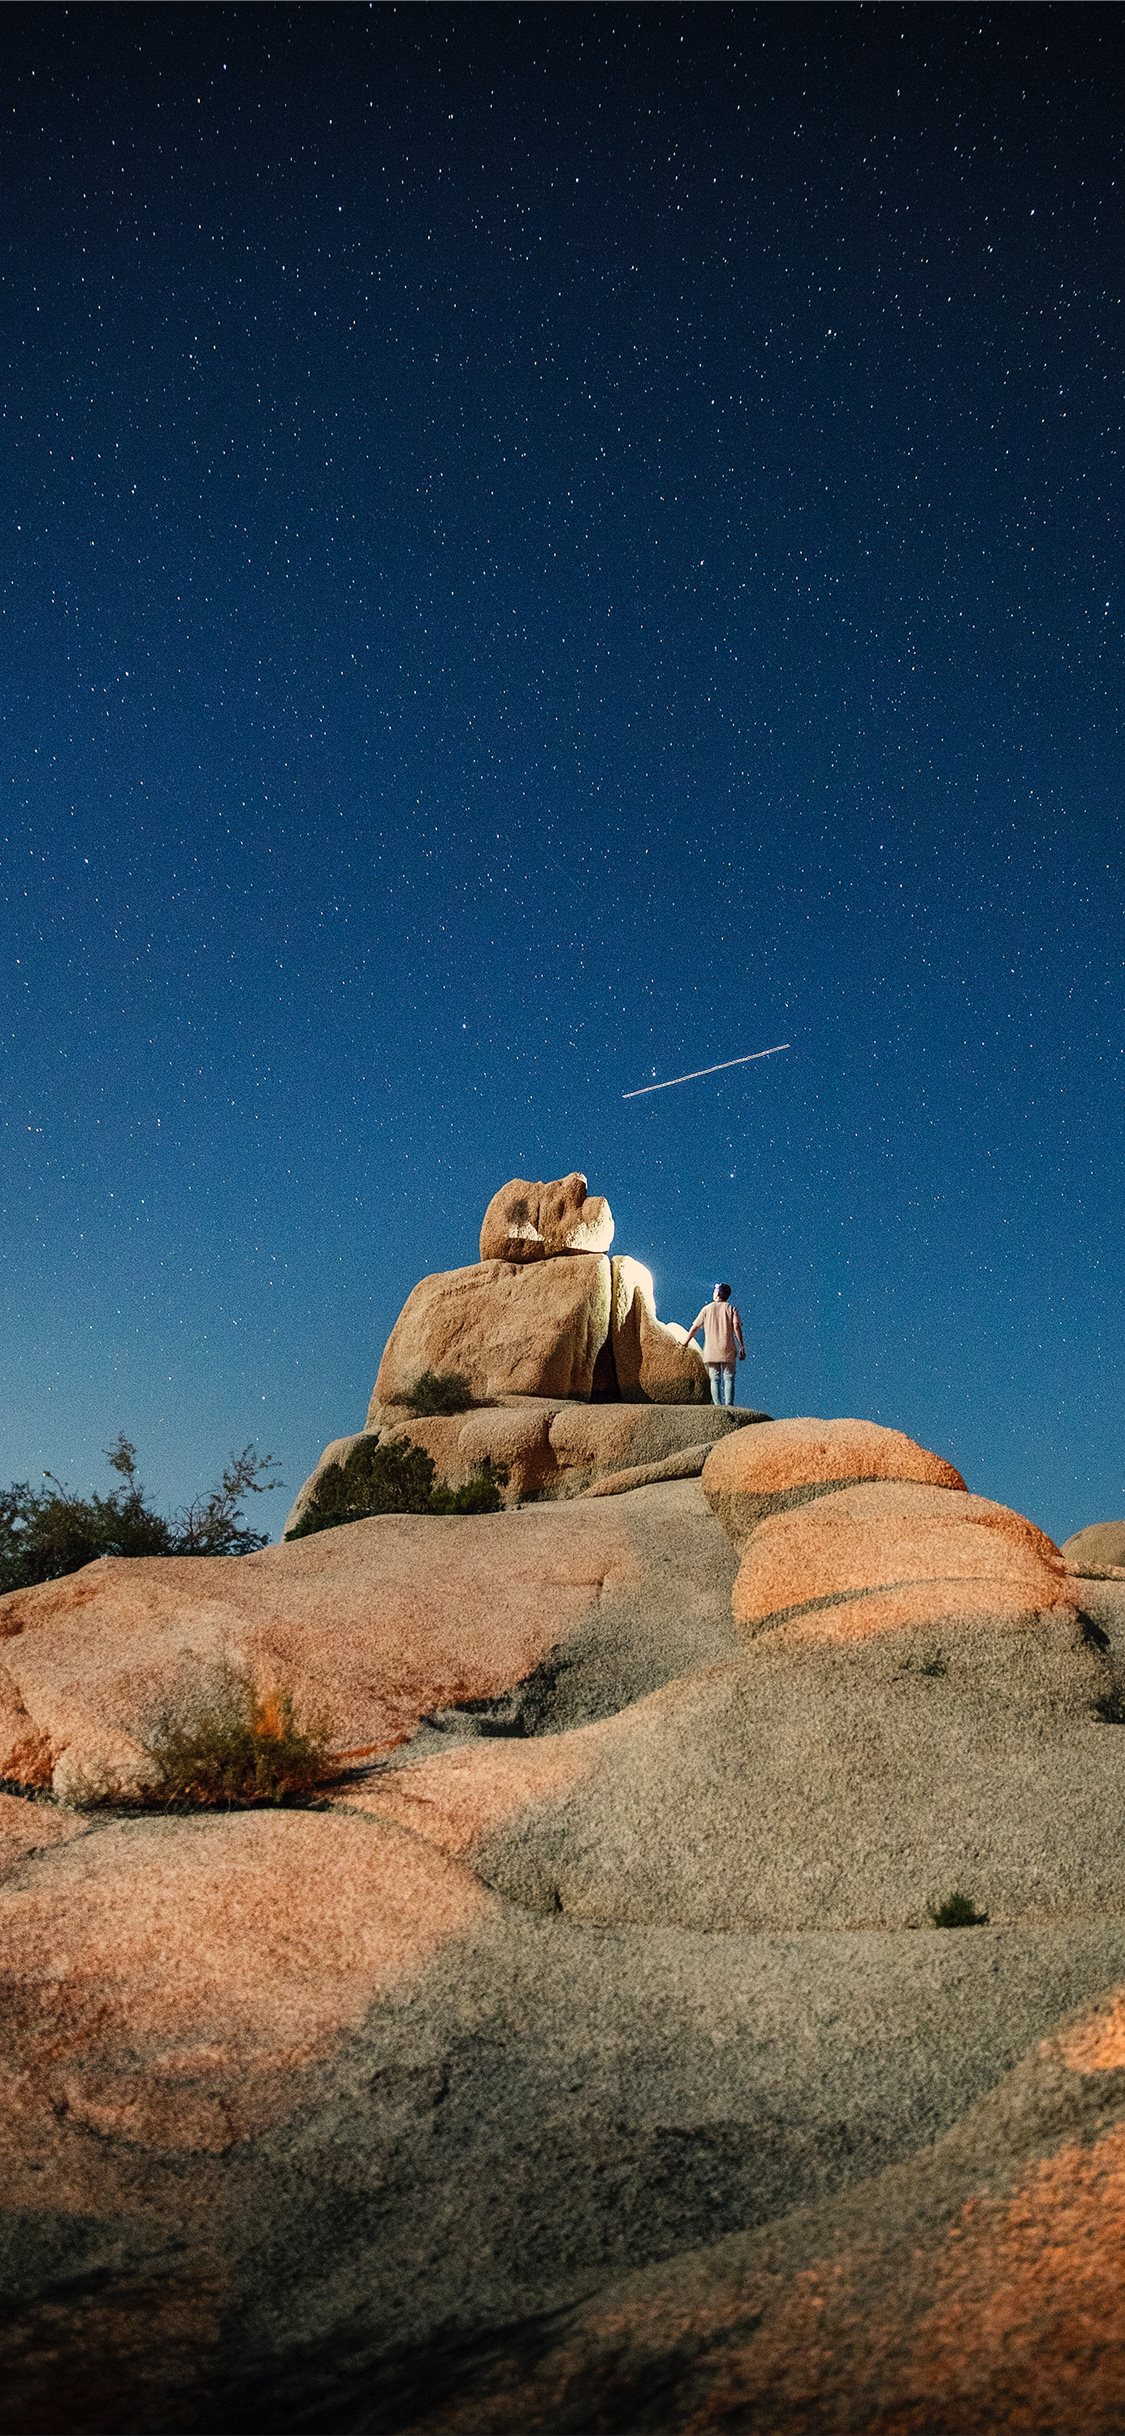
548 1446
545 1320
594 2056
540 1221
542 1313
532 1328
1100 1548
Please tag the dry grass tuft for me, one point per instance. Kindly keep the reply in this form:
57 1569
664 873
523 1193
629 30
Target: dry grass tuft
216 1741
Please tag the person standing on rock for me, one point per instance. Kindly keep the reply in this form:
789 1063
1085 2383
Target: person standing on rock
722 1343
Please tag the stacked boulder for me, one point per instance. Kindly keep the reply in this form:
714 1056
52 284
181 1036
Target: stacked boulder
854 1528
568 1378
544 1312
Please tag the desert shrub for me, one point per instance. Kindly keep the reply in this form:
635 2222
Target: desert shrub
216 1742
48 1532
436 1392
377 1476
481 1493
957 1911
393 1476
1110 1707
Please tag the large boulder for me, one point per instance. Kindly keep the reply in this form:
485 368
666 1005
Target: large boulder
884 1553
538 1221
652 1359
1100 1548
548 1447
791 1461
533 1328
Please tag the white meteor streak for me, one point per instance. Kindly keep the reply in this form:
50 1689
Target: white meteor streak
721 1068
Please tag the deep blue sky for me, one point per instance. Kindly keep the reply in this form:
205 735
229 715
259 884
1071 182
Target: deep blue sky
544 547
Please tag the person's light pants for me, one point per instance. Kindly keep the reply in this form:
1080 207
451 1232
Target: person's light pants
721 1375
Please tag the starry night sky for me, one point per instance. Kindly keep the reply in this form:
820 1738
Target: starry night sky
545 547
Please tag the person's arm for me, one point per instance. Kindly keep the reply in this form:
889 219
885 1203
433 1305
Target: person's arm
738 1336
696 1325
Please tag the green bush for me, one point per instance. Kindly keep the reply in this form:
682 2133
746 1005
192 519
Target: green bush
957 1911
394 1476
437 1392
481 1493
376 1477
48 1532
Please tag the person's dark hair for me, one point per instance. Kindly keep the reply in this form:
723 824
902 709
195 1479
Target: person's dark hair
723 1293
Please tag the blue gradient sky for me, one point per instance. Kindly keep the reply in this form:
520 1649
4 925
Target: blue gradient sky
543 548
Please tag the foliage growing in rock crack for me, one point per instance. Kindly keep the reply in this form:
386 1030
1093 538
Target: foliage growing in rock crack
957 1911
438 1392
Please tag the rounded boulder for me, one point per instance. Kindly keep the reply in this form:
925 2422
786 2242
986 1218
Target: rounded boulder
534 1328
1100 1548
786 1463
899 1537
527 1221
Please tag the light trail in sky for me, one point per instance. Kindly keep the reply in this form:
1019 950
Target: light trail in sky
721 1068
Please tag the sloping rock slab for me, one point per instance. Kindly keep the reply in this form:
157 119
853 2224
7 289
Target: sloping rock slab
376 1624
818 1786
167 1979
969 2291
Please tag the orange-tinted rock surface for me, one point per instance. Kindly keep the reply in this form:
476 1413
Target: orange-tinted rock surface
168 1980
792 1461
890 1536
373 1623
532 1328
370 1625
595 2059
974 2292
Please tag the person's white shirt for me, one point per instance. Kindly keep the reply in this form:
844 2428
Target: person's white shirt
722 1331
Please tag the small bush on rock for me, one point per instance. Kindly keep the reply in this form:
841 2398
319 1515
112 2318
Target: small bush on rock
481 1493
218 1743
957 1911
377 1477
393 1476
437 1392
